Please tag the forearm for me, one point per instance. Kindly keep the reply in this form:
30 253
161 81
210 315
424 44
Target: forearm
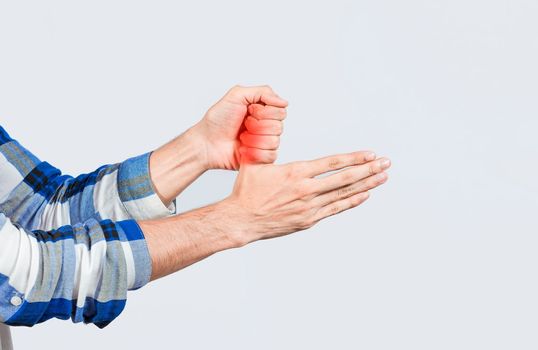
179 241
176 164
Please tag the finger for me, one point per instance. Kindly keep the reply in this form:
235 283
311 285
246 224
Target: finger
335 162
341 205
259 111
364 185
263 126
267 142
257 156
351 175
256 94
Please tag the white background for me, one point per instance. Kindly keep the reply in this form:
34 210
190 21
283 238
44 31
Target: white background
444 256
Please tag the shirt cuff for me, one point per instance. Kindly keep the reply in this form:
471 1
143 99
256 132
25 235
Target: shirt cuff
137 192
137 257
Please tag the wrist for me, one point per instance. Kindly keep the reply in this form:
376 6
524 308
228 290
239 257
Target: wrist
218 224
197 136
176 164
193 140
178 241
239 225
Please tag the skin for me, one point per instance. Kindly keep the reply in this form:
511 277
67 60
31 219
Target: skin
253 114
267 201
242 132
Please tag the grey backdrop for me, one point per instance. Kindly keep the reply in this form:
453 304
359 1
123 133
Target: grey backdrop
444 256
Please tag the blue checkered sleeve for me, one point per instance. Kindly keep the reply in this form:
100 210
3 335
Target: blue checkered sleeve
36 195
70 246
81 271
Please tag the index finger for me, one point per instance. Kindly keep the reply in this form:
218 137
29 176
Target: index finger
335 162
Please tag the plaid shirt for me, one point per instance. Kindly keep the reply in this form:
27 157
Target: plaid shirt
70 246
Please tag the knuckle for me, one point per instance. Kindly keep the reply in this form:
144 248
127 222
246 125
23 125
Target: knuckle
371 170
301 190
297 169
333 163
249 123
354 202
359 199
306 222
379 179
344 192
361 187
309 223
291 170
271 157
303 210
335 209
256 109
347 176
244 137
278 128
274 142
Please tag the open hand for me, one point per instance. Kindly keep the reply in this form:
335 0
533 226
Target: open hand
274 200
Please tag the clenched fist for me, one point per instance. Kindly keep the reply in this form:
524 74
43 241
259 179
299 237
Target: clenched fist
243 126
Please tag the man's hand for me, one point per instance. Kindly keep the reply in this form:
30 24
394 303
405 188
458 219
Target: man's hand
267 201
276 200
243 126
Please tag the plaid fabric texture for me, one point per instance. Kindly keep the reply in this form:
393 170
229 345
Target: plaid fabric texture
70 247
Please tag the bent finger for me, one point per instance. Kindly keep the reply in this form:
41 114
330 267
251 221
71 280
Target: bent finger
267 142
257 156
259 111
263 126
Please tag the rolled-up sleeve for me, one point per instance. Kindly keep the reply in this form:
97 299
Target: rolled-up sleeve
36 195
137 192
82 272
70 246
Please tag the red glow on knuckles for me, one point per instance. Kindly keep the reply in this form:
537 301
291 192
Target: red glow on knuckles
252 149
257 140
263 126
249 156
254 126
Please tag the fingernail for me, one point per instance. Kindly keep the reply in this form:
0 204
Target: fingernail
370 156
385 163
382 177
